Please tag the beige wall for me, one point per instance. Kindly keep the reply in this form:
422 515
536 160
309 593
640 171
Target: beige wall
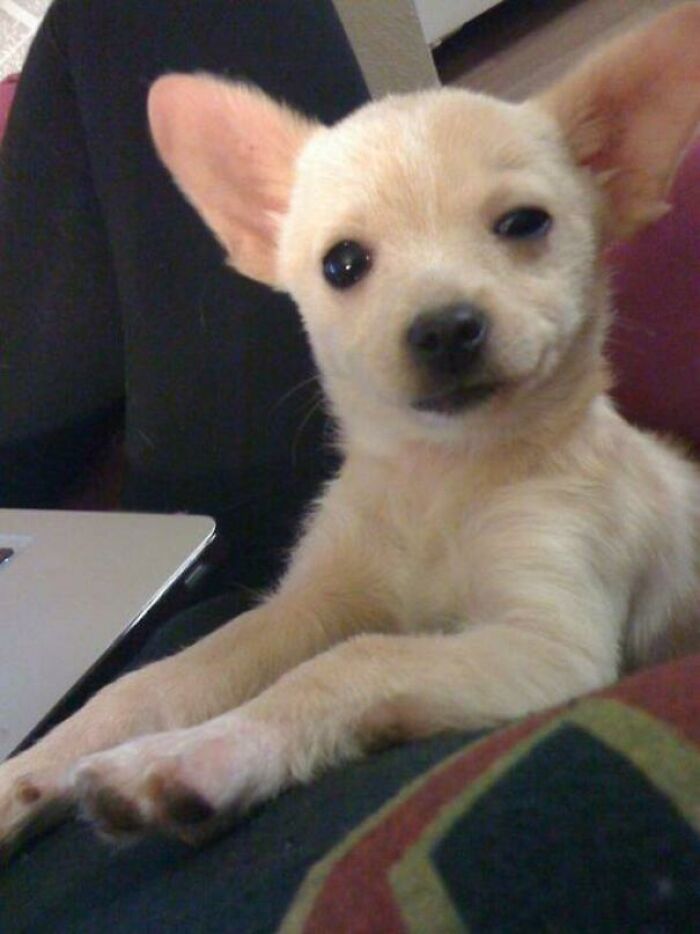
388 41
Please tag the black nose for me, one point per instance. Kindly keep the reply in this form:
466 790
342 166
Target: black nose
448 340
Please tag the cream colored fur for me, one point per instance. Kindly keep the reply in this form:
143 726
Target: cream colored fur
462 570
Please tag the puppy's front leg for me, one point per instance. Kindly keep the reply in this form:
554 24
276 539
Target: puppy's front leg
363 693
320 603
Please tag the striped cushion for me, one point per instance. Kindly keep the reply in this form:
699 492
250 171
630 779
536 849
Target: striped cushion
585 819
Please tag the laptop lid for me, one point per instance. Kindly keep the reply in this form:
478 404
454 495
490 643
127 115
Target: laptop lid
72 585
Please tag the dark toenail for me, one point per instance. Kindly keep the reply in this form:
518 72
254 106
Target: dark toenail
116 812
189 809
27 792
182 805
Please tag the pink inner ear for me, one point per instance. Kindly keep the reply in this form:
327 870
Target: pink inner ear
630 111
232 151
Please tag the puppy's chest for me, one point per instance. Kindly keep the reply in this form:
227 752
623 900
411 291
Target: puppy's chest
433 546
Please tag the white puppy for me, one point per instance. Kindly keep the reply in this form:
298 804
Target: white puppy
498 540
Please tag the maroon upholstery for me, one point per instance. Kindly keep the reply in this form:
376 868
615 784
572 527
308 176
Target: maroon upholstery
655 341
7 93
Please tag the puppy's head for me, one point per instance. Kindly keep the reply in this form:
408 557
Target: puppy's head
443 248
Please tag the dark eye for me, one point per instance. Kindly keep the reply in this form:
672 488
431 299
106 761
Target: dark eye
345 264
523 224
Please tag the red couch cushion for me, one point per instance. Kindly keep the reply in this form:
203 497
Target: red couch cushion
655 340
7 93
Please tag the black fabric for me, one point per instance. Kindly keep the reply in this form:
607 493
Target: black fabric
69 882
37 470
191 624
61 365
572 838
112 288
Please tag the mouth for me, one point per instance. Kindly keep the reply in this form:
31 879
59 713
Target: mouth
457 399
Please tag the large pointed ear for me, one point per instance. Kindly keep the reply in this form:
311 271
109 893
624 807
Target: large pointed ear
232 150
629 111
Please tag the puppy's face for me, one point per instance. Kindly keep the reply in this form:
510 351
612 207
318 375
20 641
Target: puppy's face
441 248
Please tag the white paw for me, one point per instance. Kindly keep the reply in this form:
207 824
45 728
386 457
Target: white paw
186 783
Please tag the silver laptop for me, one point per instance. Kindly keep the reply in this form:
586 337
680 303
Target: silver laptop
72 585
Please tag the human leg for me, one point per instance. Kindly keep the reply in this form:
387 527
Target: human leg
211 359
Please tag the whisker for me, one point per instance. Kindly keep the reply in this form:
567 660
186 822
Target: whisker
288 395
317 404
147 438
634 327
629 351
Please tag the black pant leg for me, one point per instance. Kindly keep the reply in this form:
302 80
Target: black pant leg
210 356
61 363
